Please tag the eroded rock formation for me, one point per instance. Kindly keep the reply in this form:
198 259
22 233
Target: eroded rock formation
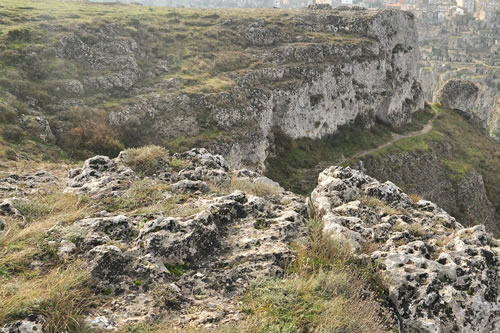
191 264
475 100
336 66
442 277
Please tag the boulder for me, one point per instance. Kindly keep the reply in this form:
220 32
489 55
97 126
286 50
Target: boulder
441 276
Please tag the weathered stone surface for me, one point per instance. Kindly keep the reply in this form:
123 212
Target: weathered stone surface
185 186
98 176
205 259
109 52
31 324
101 323
7 208
442 277
475 100
24 184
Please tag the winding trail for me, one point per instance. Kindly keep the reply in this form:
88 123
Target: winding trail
396 137
479 62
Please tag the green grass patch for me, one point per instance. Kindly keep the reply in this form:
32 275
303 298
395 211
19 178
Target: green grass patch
32 210
183 143
460 146
176 270
296 164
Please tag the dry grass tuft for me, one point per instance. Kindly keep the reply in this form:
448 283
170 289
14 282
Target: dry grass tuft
377 203
59 296
416 197
415 229
259 188
145 160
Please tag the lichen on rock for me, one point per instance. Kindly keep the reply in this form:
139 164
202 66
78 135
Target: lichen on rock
441 276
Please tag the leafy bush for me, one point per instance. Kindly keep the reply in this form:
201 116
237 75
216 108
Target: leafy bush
177 164
7 113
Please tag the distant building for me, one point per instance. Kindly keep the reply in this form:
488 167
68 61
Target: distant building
346 2
467 5
486 9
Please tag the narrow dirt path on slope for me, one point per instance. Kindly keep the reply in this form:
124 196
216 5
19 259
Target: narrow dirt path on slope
479 62
396 137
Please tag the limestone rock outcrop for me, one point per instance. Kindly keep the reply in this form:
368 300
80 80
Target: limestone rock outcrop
195 263
442 277
466 199
209 232
475 100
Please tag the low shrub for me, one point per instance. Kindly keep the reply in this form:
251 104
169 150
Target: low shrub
7 114
145 160
91 133
13 133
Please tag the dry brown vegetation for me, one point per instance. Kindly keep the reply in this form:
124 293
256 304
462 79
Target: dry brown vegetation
58 289
260 189
145 160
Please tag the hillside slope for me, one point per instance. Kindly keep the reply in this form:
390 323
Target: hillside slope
95 78
446 159
455 165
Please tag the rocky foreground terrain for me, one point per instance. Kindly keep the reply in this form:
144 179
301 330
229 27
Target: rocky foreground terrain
183 240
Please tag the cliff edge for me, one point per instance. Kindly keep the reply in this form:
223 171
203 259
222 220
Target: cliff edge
227 80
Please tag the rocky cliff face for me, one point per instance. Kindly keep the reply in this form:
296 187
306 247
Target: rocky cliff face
476 101
303 73
312 87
